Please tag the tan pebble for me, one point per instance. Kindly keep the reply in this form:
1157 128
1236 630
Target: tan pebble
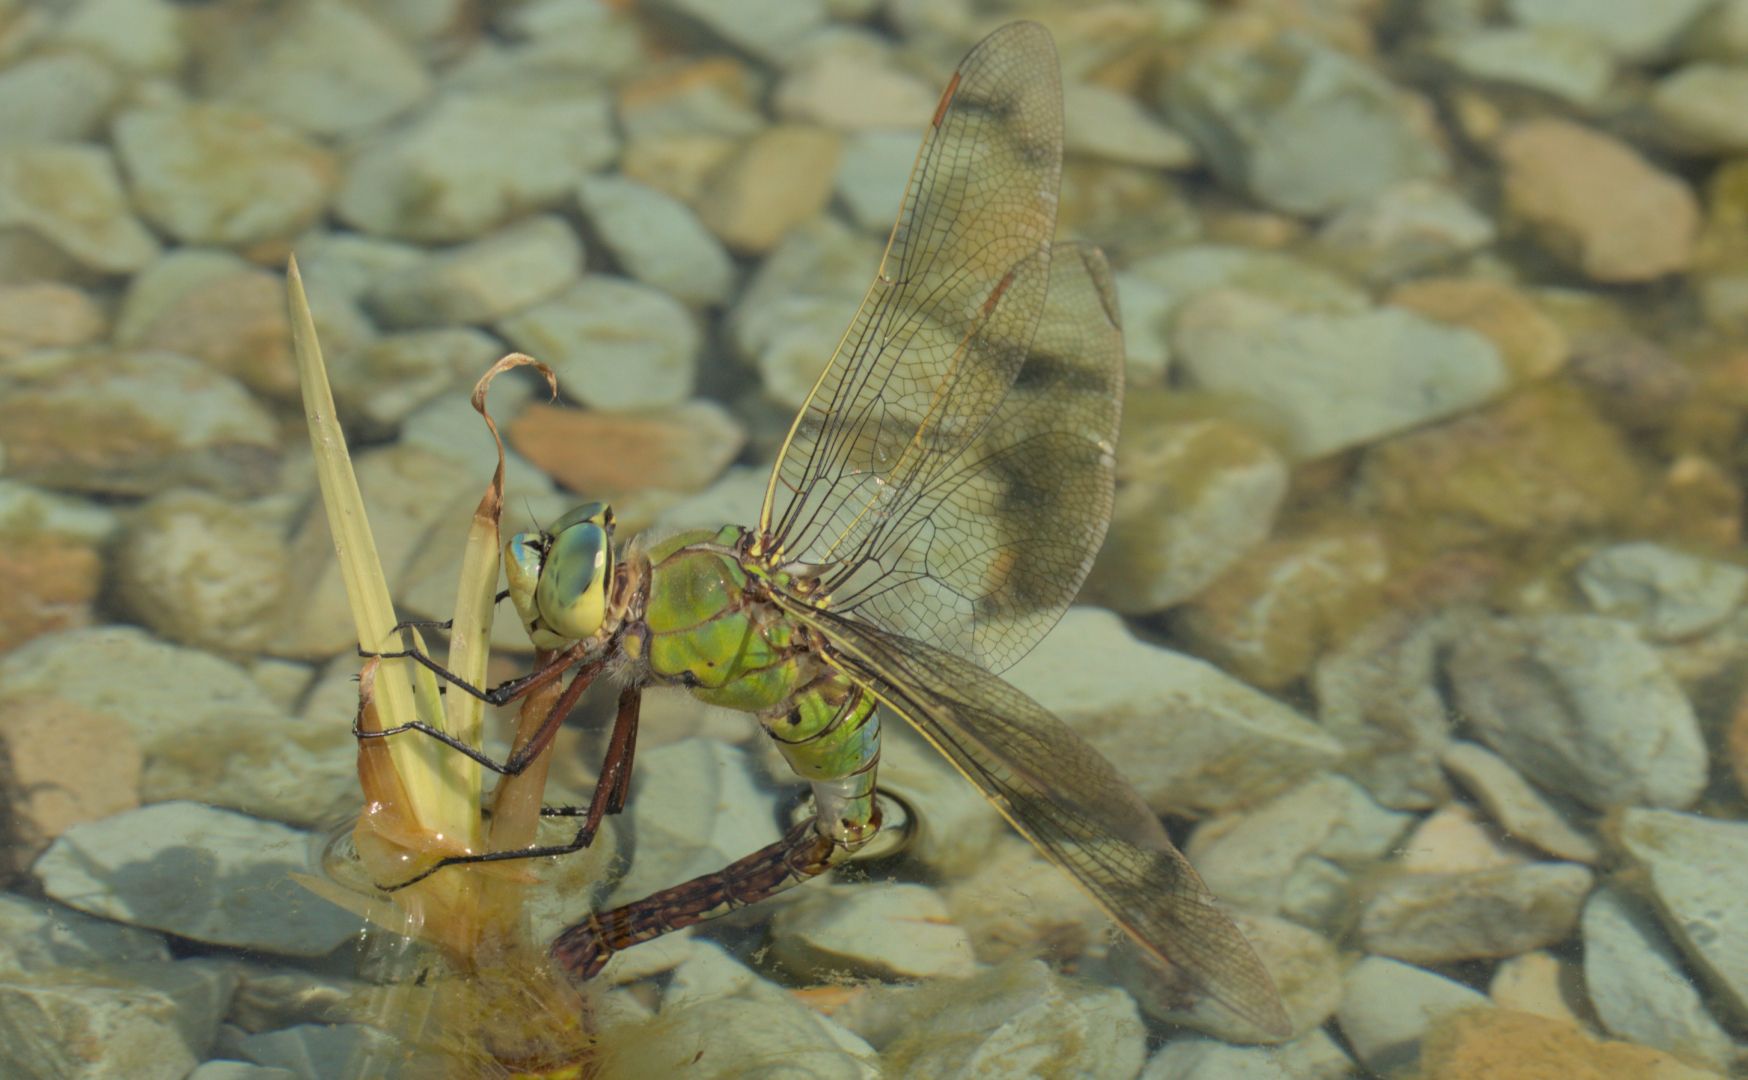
779 179
1595 203
64 765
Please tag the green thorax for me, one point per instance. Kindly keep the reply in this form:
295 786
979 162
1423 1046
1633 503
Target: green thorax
708 629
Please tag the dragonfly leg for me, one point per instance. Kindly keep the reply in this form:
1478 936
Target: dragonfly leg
609 796
830 734
806 852
528 751
501 694
442 624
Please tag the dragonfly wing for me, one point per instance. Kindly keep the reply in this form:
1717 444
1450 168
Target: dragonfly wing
948 426
947 323
984 558
1067 799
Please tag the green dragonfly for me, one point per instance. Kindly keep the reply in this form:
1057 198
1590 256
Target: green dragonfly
933 510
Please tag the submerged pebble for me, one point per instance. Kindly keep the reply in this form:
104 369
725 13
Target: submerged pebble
161 421
473 161
1012 902
214 307
1700 103
1301 962
677 449
1454 840
61 764
1595 204
1406 228
1698 871
1016 1019
55 97
266 766
1315 1057
326 68
1335 380
384 382
1532 345
1638 986
1193 495
1582 706
1630 30
1435 918
1286 855
41 935
871 175
735 1035
216 174
1669 594
773 182
614 344
1227 744
1103 123
1472 1045
795 308
1377 694
1388 1007
1270 616
47 315
50 578
203 571
102 1026
314 1049
769 29
482 281
657 239
1541 461
1540 983
1564 62
67 200
888 931
853 85
1524 813
1300 126
228 872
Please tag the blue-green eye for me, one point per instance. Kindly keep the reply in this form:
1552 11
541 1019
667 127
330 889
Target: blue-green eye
522 558
598 512
572 593
559 579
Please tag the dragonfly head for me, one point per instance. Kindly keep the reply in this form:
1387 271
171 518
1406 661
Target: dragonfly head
559 577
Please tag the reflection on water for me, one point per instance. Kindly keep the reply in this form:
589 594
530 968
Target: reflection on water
1420 621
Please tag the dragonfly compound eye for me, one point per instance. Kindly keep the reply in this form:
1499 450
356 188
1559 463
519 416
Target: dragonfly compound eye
522 558
571 592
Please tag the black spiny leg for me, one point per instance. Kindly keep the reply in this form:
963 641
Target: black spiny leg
611 789
441 624
529 750
501 694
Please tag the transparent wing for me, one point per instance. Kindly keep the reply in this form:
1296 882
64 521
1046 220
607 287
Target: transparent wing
919 470
1064 797
983 557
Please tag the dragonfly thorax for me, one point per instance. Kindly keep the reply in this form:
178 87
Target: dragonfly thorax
559 577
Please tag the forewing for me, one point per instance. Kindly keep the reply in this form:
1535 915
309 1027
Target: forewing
983 558
1064 797
946 325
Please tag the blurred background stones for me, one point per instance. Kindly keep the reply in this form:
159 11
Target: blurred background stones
1420 619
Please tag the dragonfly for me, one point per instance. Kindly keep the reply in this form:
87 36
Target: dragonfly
933 510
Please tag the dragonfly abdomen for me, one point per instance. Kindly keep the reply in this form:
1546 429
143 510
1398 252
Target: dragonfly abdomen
830 736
